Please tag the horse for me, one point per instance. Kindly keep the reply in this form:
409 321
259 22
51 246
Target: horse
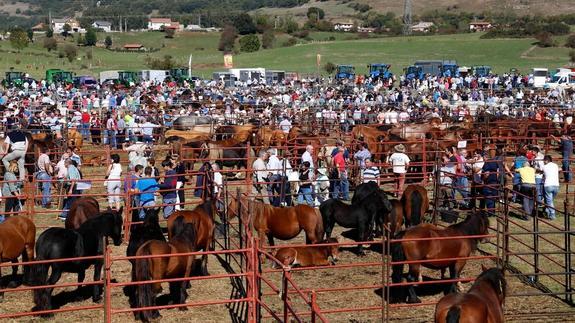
430 249
362 215
202 217
482 303
164 267
190 122
283 223
60 243
82 209
75 139
309 256
17 236
415 204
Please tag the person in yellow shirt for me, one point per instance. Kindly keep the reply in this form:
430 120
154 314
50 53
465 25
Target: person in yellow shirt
527 187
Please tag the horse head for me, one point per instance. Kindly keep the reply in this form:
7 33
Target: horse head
333 250
114 224
496 278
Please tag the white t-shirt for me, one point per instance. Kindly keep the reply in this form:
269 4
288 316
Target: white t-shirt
551 173
218 181
399 161
307 157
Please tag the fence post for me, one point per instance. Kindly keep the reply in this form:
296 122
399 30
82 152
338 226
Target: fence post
568 270
107 282
313 302
535 235
284 294
505 227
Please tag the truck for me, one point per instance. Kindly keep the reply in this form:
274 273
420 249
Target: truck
379 71
430 67
13 79
414 72
449 69
481 70
539 77
344 72
56 75
85 81
157 76
564 78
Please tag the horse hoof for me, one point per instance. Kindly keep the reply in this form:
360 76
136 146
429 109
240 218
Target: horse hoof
1 298
413 300
182 309
97 299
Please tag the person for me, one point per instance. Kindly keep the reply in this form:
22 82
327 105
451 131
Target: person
44 175
260 174
155 170
476 165
218 182
461 181
538 164
168 187
342 184
11 190
307 156
203 180
285 125
400 162
15 147
113 182
130 184
73 176
518 162
306 180
148 131
446 175
527 187
362 154
73 153
322 185
371 172
550 185
146 188
111 128
180 169
274 166
567 153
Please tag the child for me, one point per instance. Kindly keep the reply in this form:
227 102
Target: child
146 186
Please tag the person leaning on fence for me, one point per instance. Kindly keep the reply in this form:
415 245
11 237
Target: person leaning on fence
322 185
538 164
399 162
44 175
180 170
14 148
567 153
362 154
10 191
168 186
274 167
260 173
113 182
370 173
550 185
305 187
446 175
146 188
340 158
475 166
218 183
70 187
527 187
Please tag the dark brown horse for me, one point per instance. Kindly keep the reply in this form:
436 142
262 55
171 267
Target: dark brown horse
284 223
482 303
202 219
17 237
415 204
165 267
82 209
433 249
309 256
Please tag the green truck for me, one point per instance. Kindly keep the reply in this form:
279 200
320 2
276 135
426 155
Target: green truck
179 75
13 79
59 76
127 78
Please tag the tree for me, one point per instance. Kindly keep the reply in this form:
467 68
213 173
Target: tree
49 33
544 39
166 63
108 42
18 39
91 38
250 43
50 44
30 34
572 57
70 52
245 24
570 41
268 39
66 30
170 32
315 13
228 39
80 40
329 67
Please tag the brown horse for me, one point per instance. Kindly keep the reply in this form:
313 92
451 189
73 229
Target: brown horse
284 223
202 219
433 249
82 209
164 267
75 139
415 204
17 237
482 303
309 256
396 216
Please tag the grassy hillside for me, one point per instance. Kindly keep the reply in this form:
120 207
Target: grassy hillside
467 49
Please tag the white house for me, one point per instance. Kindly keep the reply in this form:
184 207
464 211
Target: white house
345 26
104 25
58 25
422 27
159 23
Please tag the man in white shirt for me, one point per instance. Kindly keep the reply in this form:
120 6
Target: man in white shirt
400 161
550 184
307 156
274 167
218 182
285 125
260 173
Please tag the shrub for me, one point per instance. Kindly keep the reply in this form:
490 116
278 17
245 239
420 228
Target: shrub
268 39
70 52
329 67
570 41
50 44
91 38
290 42
250 43
544 39
227 39
108 42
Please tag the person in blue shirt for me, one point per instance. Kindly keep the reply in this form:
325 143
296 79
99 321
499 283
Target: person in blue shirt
147 187
130 184
71 187
168 188
566 152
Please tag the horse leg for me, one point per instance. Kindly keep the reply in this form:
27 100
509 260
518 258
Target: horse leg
412 276
270 239
362 233
97 290
205 264
46 296
12 283
1 293
81 276
452 275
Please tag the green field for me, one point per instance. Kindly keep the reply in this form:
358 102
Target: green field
467 49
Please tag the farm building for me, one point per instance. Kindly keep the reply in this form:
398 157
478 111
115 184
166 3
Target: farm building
422 27
345 26
106 26
160 23
58 25
480 26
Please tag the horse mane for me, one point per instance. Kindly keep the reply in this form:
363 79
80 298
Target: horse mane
495 278
178 227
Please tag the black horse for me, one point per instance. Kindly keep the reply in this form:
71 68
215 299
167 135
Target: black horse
140 234
361 215
60 243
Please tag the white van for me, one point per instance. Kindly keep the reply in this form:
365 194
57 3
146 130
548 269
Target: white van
564 78
540 77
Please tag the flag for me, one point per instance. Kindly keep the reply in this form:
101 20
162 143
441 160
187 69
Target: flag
318 59
228 61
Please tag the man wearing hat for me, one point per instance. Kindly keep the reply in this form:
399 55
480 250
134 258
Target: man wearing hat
399 161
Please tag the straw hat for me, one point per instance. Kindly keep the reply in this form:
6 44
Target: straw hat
399 148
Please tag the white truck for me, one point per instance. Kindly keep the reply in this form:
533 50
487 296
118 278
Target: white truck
157 76
564 78
540 77
106 76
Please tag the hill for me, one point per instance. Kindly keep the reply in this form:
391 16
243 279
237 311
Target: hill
467 49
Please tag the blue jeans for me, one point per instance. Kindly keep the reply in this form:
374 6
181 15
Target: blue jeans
111 135
148 139
147 204
550 194
85 130
527 191
462 186
169 209
342 186
305 193
68 202
539 189
46 185
566 170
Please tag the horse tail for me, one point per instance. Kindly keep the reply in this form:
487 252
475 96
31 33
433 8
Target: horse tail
144 292
39 277
416 200
453 314
397 255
